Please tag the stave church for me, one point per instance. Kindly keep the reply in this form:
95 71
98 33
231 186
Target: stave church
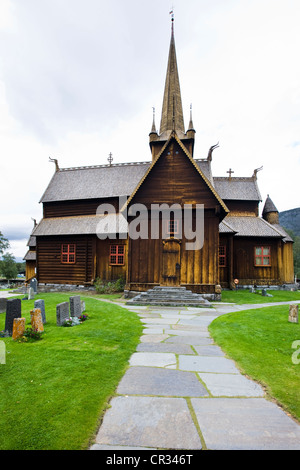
75 244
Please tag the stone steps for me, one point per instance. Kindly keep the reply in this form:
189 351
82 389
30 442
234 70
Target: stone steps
169 296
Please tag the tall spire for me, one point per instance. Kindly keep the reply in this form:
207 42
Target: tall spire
172 114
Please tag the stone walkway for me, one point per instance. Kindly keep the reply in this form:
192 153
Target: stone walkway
181 392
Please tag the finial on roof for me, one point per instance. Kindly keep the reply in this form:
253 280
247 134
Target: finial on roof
191 125
110 159
172 19
254 176
212 148
153 130
230 171
54 161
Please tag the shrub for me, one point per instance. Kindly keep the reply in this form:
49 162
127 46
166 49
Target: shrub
109 287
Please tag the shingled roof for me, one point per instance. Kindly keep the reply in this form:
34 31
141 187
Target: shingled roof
238 188
251 226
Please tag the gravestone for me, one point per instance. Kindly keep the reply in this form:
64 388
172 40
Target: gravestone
252 290
62 313
75 306
36 320
18 328
40 303
3 303
13 310
82 306
33 285
30 293
294 313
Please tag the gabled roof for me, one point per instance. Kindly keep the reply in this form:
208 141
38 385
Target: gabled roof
205 179
94 182
238 188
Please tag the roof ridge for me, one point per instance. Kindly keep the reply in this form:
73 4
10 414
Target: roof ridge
91 167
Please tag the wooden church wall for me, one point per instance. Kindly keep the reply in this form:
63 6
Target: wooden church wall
50 269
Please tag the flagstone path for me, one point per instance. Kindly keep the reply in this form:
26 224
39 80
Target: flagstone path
181 392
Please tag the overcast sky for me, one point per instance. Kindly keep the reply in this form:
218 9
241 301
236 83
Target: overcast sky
79 78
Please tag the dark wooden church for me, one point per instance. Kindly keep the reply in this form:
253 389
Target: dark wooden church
73 244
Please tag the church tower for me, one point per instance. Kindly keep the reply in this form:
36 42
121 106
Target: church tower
172 112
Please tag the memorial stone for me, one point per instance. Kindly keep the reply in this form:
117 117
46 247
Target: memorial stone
18 328
3 303
75 306
30 293
294 313
13 310
33 285
36 319
82 306
40 303
62 313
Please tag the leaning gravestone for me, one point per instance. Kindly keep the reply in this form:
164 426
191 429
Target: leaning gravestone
62 313
3 303
41 305
13 310
293 313
75 306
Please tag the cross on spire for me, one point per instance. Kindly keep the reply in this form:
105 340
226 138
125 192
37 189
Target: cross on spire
230 171
110 159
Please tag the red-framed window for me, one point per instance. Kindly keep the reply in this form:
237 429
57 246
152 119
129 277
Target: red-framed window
222 256
68 253
117 255
262 256
173 227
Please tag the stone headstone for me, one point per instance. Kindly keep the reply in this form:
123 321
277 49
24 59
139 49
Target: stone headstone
294 313
82 306
264 292
36 320
41 305
18 328
3 303
62 313
33 285
30 293
75 306
13 310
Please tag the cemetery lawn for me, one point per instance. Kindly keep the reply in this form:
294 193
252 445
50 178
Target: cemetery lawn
243 296
54 391
260 342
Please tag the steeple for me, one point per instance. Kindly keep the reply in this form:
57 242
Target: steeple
172 114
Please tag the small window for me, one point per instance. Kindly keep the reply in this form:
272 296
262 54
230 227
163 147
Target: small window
262 256
68 253
173 227
116 255
222 255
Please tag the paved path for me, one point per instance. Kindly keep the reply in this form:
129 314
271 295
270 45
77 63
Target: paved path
181 392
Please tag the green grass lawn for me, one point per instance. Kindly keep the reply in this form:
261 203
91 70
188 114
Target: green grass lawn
243 296
53 392
260 341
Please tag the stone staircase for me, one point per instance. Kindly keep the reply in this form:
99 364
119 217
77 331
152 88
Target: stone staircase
169 297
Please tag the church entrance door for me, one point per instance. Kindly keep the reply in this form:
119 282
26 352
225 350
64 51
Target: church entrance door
171 262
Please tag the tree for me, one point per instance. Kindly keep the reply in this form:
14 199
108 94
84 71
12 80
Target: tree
9 267
4 243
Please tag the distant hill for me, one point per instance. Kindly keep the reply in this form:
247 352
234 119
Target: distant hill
291 220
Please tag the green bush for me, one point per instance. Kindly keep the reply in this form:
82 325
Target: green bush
109 287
